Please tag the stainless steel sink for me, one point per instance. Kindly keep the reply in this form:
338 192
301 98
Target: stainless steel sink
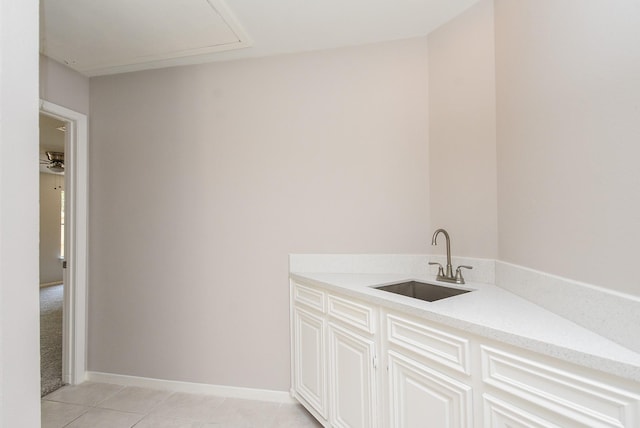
422 290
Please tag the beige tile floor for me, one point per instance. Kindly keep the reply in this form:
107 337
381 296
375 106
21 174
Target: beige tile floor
98 405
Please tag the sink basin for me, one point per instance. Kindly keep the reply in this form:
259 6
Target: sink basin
422 290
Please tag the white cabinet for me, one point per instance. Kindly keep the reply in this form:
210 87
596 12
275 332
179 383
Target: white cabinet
308 348
309 359
352 363
356 365
500 414
352 379
428 375
334 357
421 397
559 394
426 341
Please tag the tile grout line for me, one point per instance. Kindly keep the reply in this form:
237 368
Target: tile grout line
79 416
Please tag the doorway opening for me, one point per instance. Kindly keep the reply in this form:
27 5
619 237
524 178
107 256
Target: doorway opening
75 262
52 237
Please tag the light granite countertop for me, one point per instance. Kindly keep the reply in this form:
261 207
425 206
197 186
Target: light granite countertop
494 313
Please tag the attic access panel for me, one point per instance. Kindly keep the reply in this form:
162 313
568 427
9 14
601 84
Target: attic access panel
93 36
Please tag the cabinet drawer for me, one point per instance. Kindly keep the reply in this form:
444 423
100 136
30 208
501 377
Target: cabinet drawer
433 344
353 313
586 401
308 296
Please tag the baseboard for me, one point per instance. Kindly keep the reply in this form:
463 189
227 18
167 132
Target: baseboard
193 388
50 284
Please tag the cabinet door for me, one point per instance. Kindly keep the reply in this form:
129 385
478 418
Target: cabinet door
500 414
351 379
421 397
309 378
559 389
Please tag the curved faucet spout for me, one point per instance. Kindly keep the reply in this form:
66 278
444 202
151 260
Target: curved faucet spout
449 267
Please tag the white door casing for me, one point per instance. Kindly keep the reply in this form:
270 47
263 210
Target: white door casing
74 360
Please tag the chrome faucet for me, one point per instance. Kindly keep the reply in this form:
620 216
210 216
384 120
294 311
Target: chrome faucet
446 274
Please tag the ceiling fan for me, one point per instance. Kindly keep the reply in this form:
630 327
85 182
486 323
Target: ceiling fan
54 161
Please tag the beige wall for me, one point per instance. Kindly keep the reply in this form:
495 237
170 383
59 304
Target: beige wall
19 321
568 109
462 132
50 264
204 178
63 86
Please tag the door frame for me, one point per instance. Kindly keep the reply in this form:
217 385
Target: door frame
74 324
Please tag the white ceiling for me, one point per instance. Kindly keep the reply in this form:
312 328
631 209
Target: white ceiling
105 37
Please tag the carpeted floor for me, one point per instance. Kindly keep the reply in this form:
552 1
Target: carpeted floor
50 339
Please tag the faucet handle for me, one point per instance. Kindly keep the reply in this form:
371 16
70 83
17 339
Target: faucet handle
459 278
440 268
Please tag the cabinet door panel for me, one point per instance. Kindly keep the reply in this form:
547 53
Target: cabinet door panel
499 414
309 356
421 397
583 400
352 379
